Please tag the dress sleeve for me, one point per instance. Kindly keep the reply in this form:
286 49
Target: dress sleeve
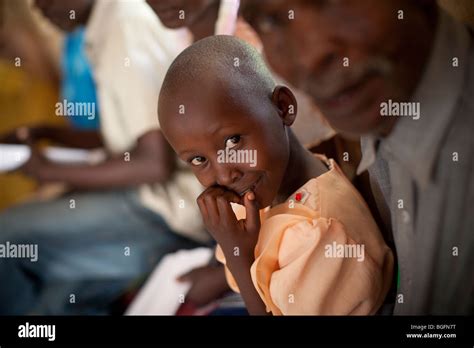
303 272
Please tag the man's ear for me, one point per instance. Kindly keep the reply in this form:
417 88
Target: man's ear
285 102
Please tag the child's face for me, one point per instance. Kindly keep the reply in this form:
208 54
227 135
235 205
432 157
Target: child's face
249 127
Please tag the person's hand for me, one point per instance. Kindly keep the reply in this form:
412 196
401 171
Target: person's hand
21 135
35 165
208 283
236 238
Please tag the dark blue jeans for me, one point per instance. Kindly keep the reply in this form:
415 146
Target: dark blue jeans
87 255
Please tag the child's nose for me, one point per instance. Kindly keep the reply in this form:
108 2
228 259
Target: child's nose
227 174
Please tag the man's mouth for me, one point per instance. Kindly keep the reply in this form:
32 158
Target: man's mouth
352 97
345 92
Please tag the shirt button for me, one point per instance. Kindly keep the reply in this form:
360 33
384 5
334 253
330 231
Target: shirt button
405 216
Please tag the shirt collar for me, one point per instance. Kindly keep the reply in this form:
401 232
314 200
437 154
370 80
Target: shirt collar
95 28
416 143
369 149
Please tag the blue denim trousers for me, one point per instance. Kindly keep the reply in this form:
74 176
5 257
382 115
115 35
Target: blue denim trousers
90 248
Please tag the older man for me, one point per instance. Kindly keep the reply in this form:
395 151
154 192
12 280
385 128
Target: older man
400 74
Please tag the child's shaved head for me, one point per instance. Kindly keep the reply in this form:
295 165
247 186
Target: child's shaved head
225 60
221 112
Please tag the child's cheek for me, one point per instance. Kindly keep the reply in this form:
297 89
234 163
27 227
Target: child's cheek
203 179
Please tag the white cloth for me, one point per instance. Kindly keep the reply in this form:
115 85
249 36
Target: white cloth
130 52
163 294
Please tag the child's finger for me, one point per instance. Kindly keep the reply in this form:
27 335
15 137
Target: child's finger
225 210
233 197
252 219
208 204
202 208
212 211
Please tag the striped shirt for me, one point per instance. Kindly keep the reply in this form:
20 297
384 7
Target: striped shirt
424 174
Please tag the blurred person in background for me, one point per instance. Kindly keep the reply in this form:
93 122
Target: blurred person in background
356 57
30 83
126 212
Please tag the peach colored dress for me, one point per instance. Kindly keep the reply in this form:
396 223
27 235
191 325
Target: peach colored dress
320 252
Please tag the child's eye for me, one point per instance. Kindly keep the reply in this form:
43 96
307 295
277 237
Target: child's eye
232 141
197 161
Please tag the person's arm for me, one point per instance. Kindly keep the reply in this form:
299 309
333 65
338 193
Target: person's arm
208 283
152 160
240 269
236 238
84 139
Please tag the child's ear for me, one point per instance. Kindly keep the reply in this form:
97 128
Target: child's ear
285 102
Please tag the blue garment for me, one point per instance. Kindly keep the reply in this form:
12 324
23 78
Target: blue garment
82 251
78 84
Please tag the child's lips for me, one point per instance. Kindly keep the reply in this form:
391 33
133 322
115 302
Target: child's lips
251 187
244 192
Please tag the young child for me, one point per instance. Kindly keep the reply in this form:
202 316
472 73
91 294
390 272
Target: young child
300 239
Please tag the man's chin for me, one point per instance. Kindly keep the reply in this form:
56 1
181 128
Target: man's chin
173 24
367 121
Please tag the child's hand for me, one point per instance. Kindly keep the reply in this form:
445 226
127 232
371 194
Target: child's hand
236 238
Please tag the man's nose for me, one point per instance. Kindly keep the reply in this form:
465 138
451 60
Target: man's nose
227 174
323 54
